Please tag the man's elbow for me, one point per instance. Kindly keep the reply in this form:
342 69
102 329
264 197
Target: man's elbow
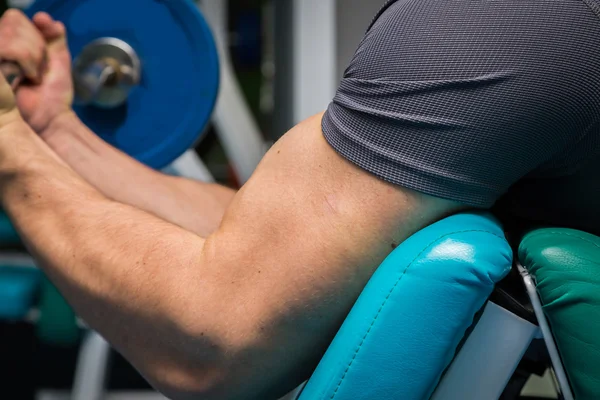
176 381
219 372
242 377
202 385
179 384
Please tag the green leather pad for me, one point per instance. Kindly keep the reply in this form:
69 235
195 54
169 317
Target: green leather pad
566 266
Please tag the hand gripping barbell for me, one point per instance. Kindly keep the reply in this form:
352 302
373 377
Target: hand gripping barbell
145 72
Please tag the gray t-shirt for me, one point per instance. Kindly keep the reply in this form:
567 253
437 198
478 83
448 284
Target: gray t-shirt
488 103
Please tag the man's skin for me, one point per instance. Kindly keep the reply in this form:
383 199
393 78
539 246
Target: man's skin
209 293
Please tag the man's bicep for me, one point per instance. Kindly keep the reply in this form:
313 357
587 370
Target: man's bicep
300 242
305 195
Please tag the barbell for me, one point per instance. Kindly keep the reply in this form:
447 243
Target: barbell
145 72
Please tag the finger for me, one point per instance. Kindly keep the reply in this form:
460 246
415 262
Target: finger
29 58
12 72
31 61
33 54
24 43
43 21
51 30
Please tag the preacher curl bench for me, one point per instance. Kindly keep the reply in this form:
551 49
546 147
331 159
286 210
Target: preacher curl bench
450 315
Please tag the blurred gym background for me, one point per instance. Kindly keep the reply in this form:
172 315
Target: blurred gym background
278 49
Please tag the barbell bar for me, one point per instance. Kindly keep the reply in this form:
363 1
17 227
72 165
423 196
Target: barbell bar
103 74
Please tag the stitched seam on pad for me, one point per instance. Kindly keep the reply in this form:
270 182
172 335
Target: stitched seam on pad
390 294
563 234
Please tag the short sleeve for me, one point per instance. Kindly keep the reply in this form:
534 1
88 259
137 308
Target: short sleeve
461 99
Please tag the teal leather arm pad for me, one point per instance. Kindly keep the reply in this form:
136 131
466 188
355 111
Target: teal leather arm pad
18 290
405 327
566 266
18 285
8 234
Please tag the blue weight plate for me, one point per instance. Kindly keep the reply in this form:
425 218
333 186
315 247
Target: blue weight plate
166 114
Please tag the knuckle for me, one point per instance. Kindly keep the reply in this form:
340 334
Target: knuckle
20 53
7 31
12 14
10 51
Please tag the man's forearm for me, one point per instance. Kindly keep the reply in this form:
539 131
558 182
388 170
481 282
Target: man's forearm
193 205
127 273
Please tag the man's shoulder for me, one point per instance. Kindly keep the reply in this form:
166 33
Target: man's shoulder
385 6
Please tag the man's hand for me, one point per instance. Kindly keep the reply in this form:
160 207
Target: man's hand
40 104
22 43
39 47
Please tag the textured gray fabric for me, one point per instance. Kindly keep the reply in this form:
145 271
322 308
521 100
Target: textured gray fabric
480 101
